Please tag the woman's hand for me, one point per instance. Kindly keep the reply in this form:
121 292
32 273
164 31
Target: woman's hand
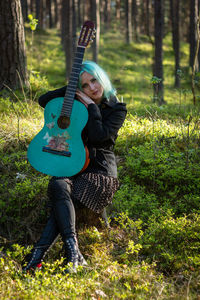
83 97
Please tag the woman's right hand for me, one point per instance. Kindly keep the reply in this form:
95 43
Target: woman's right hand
84 98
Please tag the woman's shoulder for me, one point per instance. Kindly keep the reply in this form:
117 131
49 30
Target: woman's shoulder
45 98
113 102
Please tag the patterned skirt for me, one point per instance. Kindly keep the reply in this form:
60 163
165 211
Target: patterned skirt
93 190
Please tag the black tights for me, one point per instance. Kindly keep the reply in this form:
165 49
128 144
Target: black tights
62 217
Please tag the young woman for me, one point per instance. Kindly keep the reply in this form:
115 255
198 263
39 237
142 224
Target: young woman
96 185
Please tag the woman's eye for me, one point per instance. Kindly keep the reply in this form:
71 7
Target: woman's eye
93 79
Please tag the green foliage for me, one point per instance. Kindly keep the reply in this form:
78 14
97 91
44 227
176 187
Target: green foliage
38 84
32 22
23 196
174 243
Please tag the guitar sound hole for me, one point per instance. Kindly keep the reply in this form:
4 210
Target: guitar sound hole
63 122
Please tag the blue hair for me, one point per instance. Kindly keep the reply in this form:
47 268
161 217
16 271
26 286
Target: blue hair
101 76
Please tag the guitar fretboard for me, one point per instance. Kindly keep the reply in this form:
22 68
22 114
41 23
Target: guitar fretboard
72 85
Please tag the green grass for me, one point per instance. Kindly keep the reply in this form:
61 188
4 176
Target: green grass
152 250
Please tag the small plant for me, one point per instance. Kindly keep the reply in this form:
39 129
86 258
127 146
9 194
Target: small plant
155 81
32 25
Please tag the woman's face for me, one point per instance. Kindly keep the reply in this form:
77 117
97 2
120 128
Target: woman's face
91 87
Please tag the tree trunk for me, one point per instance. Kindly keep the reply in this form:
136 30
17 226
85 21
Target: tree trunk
174 7
13 70
192 33
198 37
24 6
148 18
79 12
107 13
68 43
38 12
158 59
55 22
118 7
128 22
69 32
96 19
135 18
32 6
49 13
192 41
87 10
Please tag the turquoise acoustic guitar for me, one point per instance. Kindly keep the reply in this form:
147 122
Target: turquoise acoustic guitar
58 149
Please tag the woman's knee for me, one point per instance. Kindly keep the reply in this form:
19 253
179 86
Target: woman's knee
58 188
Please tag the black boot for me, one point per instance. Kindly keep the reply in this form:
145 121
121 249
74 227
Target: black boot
72 255
48 238
33 260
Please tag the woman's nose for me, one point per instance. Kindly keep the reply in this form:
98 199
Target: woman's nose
91 85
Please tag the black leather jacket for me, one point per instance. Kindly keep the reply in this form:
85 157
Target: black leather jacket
100 132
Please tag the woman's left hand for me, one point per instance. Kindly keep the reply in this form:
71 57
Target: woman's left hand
84 98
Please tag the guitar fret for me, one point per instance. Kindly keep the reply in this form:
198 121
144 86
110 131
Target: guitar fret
78 60
67 108
66 112
75 69
73 80
72 89
76 72
70 95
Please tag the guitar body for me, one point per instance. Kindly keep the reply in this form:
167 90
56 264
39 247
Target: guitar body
60 152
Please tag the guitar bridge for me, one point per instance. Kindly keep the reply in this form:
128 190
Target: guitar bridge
56 152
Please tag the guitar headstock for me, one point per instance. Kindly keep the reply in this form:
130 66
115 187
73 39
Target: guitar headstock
86 34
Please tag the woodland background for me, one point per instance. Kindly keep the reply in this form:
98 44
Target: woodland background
150 50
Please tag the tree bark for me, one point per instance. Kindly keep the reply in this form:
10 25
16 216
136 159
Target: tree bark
158 59
118 7
13 70
49 13
174 7
107 13
24 6
69 32
55 22
68 44
192 33
32 6
135 19
80 14
96 19
128 21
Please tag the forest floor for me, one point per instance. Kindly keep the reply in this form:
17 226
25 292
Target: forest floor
152 250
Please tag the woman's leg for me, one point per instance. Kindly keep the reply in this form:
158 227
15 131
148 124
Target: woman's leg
63 208
61 220
47 239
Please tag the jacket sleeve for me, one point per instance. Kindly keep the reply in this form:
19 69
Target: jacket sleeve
101 130
44 99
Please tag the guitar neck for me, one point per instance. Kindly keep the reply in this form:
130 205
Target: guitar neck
73 81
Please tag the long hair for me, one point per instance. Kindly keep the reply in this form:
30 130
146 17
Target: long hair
101 76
